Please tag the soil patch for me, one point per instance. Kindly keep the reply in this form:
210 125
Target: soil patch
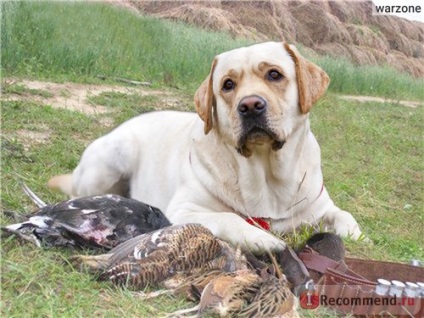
73 96
29 137
381 100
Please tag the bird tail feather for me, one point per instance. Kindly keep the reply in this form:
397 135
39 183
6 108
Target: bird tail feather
38 202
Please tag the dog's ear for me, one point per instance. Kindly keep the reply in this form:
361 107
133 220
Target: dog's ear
204 100
312 81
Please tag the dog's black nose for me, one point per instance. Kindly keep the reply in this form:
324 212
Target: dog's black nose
252 106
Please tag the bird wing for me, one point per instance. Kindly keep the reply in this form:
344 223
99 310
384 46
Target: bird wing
153 257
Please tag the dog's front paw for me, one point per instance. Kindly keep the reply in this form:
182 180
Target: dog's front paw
265 242
346 226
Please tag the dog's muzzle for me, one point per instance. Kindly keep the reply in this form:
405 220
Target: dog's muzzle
255 131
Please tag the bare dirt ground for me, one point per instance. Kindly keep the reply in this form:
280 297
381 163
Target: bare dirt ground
381 100
75 97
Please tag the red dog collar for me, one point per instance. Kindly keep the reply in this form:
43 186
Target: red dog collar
258 221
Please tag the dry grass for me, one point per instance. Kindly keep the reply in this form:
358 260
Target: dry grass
348 26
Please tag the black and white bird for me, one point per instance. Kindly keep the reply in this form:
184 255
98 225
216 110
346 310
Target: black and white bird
95 222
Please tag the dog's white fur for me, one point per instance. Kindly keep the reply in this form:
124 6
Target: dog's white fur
190 168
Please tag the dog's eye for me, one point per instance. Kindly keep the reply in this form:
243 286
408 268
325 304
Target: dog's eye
274 75
228 85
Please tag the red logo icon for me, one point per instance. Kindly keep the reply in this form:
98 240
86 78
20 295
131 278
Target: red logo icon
309 299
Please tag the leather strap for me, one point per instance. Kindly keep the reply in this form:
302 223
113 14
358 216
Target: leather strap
321 264
356 279
374 270
317 262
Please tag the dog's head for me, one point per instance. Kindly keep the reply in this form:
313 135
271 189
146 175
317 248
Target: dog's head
257 95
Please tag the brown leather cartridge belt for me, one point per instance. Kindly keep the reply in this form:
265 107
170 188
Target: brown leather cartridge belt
349 286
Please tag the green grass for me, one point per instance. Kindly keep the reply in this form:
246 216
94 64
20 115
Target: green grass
81 41
371 160
46 286
369 80
371 153
22 90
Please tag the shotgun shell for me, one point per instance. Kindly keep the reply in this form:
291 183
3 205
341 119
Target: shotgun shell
420 292
396 289
411 290
382 287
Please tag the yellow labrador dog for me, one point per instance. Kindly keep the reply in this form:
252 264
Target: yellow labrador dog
248 153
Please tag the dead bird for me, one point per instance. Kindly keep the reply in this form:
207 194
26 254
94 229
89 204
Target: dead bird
153 258
246 293
98 221
327 244
191 261
189 286
273 299
227 294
